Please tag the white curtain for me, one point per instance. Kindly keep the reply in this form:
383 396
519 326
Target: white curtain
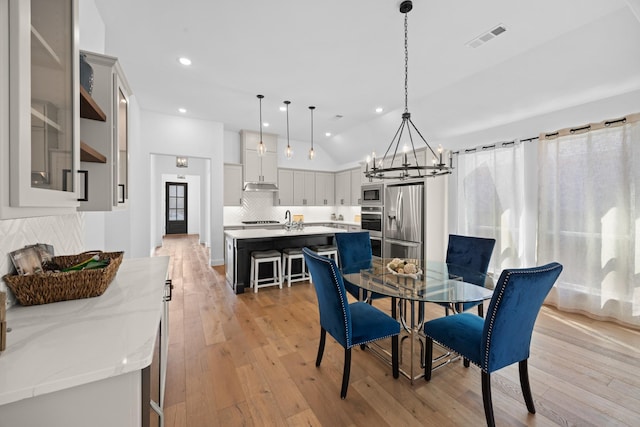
589 220
490 200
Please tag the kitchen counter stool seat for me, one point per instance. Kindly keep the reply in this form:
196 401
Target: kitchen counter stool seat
288 256
260 257
330 251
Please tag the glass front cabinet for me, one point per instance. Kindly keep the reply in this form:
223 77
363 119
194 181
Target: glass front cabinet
44 154
104 133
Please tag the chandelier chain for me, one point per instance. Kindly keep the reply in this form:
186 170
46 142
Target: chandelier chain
406 64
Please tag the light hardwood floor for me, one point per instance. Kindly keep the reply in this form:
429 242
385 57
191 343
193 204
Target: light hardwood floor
245 360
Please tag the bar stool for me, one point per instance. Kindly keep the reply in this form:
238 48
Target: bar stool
259 257
288 255
330 251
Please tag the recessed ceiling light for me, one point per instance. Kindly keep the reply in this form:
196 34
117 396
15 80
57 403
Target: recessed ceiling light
265 124
182 110
379 110
327 134
184 61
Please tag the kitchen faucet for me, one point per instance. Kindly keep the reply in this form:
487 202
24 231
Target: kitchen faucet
287 216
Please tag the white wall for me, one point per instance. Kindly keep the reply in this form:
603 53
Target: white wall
92 29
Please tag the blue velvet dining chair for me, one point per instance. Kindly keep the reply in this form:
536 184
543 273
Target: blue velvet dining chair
472 253
352 324
354 251
504 337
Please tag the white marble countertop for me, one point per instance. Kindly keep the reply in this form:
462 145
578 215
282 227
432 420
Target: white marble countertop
56 346
264 233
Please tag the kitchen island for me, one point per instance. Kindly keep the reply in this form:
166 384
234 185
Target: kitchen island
240 243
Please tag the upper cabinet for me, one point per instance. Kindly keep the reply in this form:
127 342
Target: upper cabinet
43 105
259 168
343 188
285 187
356 183
325 183
232 184
304 188
104 131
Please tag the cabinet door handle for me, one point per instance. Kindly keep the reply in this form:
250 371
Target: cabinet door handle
170 286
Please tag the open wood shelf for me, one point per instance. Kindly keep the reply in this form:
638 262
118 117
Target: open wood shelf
89 154
89 109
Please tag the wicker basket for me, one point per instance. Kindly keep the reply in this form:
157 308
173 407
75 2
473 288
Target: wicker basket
49 287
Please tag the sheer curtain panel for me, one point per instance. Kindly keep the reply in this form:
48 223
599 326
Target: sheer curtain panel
490 200
589 220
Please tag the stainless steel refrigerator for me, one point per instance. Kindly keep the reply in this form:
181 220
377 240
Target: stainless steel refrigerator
404 220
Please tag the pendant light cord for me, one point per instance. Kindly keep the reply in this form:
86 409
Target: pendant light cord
312 108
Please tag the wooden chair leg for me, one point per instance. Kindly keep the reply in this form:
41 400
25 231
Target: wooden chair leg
524 384
346 372
323 337
395 363
428 359
486 399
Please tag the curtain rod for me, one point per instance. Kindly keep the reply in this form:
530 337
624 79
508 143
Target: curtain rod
631 118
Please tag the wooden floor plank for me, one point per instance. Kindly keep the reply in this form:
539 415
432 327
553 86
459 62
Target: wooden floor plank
249 360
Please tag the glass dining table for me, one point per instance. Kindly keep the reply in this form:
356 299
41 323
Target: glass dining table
436 282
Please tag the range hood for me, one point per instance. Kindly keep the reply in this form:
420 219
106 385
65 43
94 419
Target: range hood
260 186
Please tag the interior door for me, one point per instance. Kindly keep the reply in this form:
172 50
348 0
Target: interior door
176 208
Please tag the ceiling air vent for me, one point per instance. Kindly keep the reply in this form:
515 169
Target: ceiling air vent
486 36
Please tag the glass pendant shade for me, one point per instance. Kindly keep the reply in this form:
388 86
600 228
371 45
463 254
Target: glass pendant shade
261 148
312 153
288 152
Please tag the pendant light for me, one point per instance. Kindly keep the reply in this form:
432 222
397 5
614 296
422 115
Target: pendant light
312 153
288 152
261 147
403 168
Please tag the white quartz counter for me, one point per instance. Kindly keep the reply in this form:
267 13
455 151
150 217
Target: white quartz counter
265 234
56 346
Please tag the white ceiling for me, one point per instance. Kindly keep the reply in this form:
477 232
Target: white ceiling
555 60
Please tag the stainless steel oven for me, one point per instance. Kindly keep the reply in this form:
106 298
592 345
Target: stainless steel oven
372 194
371 220
376 246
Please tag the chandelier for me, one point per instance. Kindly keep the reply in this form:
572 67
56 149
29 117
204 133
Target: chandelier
398 165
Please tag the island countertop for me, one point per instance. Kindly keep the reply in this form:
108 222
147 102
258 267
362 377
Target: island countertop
262 233
56 346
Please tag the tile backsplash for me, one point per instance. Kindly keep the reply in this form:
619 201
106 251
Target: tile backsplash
64 232
261 206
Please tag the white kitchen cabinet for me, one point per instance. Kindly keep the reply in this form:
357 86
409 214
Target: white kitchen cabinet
304 188
259 168
343 188
232 184
108 170
41 147
325 189
285 187
356 183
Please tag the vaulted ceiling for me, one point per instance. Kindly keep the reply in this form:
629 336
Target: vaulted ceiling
557 62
